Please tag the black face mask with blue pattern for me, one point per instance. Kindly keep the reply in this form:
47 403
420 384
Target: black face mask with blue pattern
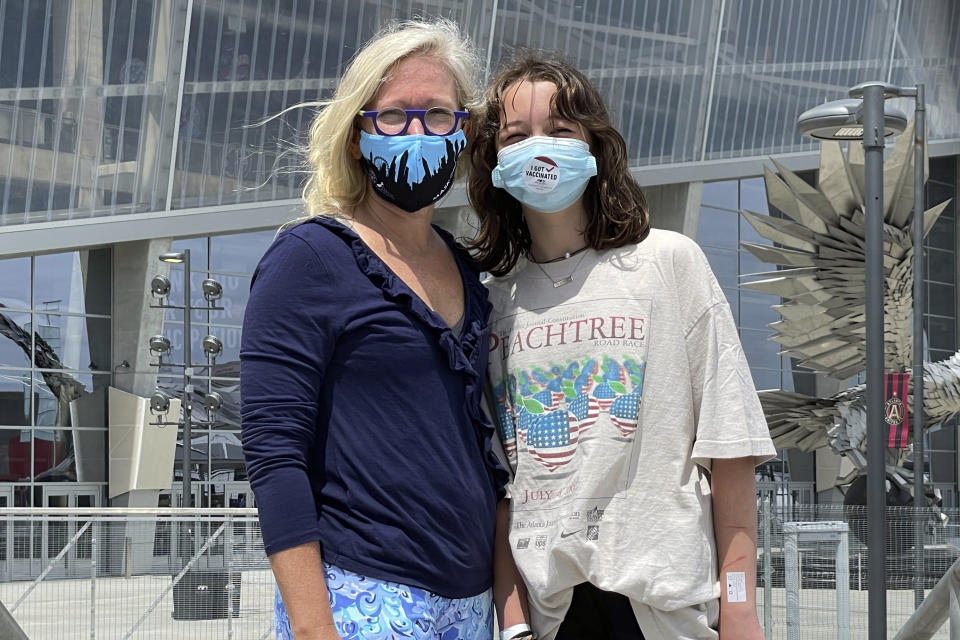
412 171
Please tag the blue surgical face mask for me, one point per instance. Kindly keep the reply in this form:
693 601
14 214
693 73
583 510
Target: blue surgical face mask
545 174
411 171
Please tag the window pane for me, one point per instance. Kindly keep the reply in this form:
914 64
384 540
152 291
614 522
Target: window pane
941 332
14 455
74 282
15 339
757 310
64 399
198 251
765 378
72 342
239 253
944 438
943 467
721 194
15 283
717 228
943 169
53 456
753 195
942 266
14 398
236 294
940 299
942 234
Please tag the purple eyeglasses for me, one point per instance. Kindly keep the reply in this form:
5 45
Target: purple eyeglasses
437 121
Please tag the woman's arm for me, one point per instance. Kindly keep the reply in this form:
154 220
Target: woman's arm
299 574
735 528
509 592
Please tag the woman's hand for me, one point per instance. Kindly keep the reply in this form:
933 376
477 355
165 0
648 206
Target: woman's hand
299 574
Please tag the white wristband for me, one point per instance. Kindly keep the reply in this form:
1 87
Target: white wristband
515 630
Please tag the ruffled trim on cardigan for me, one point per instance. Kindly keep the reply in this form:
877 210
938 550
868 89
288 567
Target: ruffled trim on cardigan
461 352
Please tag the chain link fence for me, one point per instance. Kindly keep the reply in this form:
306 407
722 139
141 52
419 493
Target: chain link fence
813 569
136 573
202 573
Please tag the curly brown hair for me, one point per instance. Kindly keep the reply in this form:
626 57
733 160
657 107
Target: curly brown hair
617 213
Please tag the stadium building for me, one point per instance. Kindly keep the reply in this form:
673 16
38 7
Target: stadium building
130 128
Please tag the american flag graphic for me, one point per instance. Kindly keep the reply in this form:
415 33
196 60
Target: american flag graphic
613 372
552 439
584 382
586 410
545 398
624 411
605 395
555 387
525 420
507 430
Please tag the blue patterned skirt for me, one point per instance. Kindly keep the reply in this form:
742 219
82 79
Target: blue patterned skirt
368 609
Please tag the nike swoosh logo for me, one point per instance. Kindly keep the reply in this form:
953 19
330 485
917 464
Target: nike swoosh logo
567 534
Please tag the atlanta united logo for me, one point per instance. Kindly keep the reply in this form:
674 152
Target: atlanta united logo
893 411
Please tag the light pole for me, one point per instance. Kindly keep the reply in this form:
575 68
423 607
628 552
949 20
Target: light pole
212 291
864 117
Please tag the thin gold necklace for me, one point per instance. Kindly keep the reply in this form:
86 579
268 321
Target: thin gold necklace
569 277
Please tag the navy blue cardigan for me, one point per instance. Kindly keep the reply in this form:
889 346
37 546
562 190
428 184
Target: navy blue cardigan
362 425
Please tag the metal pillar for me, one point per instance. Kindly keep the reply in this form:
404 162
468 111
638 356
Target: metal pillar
187 403
919 302
873 144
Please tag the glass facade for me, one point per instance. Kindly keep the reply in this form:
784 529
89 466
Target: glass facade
940 319
55 360
114 107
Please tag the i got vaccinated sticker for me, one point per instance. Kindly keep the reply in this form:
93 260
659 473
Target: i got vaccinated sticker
541 175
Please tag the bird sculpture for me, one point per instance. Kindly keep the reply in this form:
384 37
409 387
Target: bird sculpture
819 249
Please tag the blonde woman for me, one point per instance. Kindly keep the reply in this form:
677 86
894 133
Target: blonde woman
364 349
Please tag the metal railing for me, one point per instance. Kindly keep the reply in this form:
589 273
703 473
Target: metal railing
812 571
132 573
202 573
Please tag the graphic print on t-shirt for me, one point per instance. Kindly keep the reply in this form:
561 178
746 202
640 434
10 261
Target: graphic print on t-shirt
568 382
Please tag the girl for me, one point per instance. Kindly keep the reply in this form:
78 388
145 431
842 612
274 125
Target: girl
625 404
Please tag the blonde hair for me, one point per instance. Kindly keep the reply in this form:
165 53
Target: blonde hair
337 182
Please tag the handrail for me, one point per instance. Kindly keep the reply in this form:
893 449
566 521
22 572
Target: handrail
939 604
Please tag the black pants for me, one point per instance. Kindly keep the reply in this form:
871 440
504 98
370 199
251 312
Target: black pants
599 615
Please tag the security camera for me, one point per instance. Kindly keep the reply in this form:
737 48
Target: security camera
159 403
212 290
160 286
159 345
212 346
212 401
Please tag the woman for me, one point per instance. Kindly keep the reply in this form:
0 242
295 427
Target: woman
364 346
625 404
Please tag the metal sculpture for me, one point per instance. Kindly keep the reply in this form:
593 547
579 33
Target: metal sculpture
819 247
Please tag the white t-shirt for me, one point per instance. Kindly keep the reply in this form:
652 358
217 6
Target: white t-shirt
613 393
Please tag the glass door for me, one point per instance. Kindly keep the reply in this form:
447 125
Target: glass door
6 533
59 531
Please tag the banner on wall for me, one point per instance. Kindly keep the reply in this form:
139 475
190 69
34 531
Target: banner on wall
895 393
